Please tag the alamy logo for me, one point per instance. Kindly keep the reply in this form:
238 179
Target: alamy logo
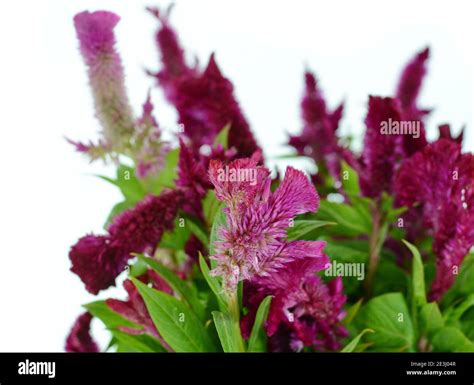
403 127
339 269
237 175
37 368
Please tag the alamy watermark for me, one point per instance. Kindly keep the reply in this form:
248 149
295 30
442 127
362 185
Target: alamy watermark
237 175
400 127
343 269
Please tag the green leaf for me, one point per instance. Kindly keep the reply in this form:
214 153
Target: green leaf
350 180
111 319
166 176
431 319
418 276
258 337
464 282
179 286
175 322
352 345
228 331
177 238
301 227
128 183
349 220
138 342
451 339
219 221
222 137
211 206
389 317
197 230
456 313
352 312
214 285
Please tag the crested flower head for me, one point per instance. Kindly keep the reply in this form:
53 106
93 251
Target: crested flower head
95 32
98 260
252 244
441 179
204 99
79 339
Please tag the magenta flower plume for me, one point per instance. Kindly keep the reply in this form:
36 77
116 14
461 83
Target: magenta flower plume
304 310
204 100
95 32
318 138
253 243
79 339
408 89
441 179
382 152
98 260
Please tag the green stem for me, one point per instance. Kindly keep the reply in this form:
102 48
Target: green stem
234 312
376 240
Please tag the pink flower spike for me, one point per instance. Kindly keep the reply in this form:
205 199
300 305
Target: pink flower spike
95 32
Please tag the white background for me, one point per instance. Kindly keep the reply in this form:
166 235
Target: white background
48 196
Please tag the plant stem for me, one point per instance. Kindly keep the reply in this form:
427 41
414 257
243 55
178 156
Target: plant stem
234 312
376 240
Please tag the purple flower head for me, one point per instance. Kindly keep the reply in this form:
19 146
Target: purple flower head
204 100
79 339
98 260
441 179
304 310
382 151
95 32
253 243
318 138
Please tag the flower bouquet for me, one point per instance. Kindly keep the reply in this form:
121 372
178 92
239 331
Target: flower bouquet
371 252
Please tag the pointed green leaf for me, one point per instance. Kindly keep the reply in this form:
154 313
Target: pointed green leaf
228 331
300 227
353 344
214 284
418 276
258 337
175 322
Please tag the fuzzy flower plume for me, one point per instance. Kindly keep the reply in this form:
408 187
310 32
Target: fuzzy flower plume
79 339
204 99
441 179
252 244
408 89
95 32
98 260
305 312
318 138
382 152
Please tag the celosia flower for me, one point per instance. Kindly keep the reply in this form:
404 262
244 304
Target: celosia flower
253 243
95 32
441 179
79 339
408 89
204 100
304 311
318 138
382 152
134 308
98 260
150 150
